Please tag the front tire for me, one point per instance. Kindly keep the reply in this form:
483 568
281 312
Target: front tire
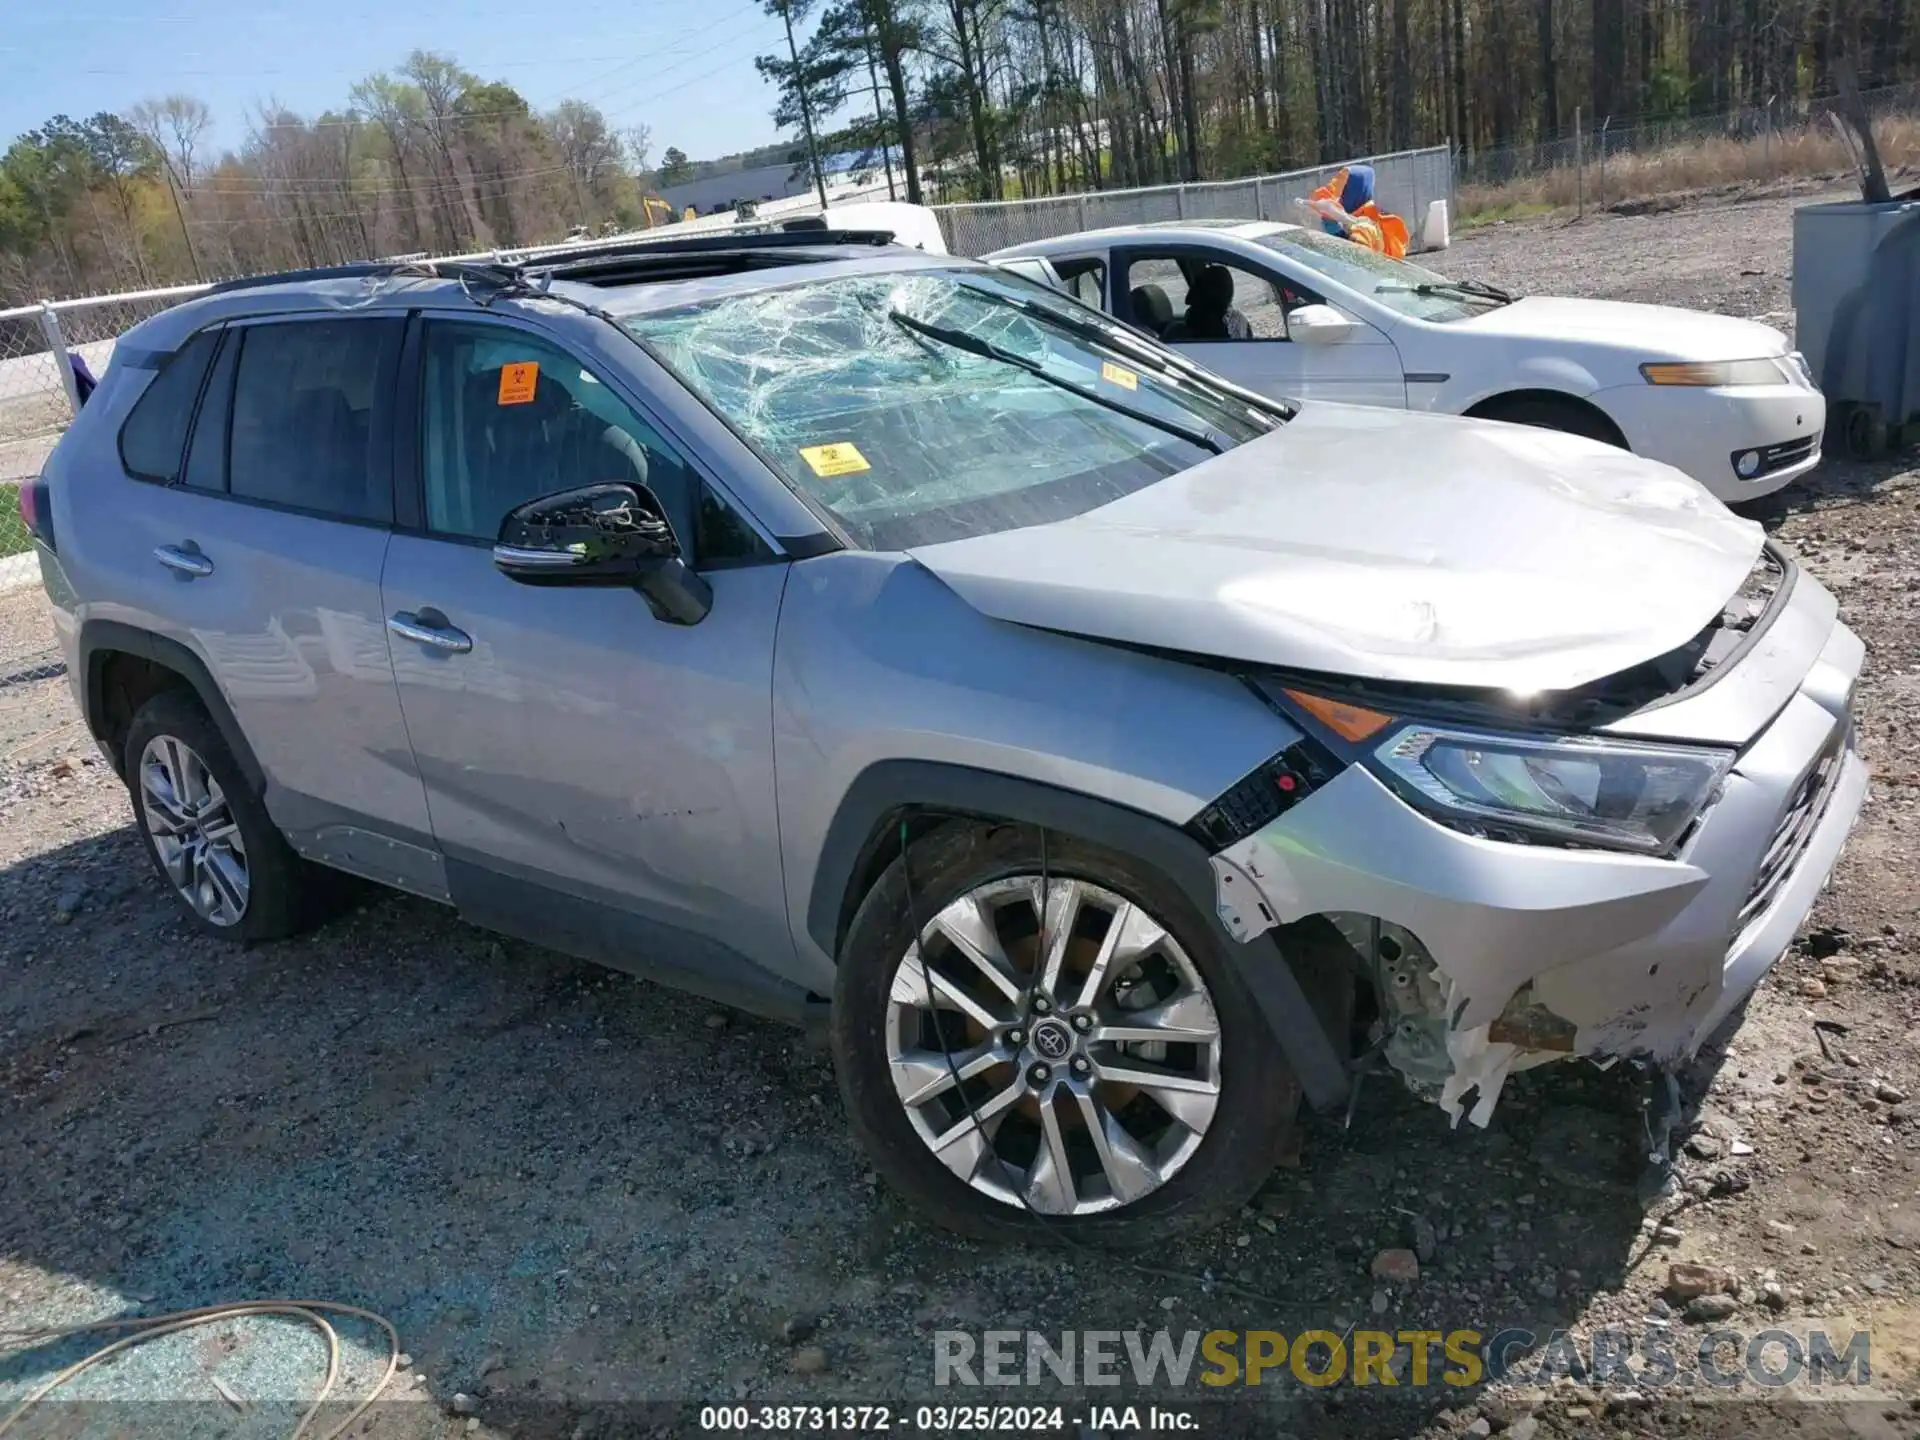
1548 412
1137 1095
208 834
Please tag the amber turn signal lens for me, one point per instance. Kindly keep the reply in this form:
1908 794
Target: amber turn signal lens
1349 722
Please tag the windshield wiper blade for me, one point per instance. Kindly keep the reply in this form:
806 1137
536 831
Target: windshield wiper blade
987 350
1469 289
1096 327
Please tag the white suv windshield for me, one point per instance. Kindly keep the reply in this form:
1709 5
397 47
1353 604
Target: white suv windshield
932 405
1410 289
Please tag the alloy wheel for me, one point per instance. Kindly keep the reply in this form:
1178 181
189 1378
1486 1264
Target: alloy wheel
1053 1045
194 831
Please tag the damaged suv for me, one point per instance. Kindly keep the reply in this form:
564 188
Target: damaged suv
1104 755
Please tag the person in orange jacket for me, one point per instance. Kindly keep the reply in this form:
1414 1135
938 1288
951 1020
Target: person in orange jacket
1346 208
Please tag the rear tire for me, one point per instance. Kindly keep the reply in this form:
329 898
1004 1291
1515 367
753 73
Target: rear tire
1547 412
209 836
1165 1175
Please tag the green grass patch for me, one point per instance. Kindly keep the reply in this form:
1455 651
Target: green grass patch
13 530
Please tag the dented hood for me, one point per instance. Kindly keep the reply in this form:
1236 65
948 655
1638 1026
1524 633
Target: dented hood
1379 544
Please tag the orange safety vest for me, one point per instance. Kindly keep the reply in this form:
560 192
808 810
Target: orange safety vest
1368 225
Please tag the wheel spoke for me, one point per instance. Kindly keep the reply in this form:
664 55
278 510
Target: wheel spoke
967 925
911 987
173 858
923 1075
1186 1019
1130 1174
164 814
229 881
221 830
1061 913
964 1144
1049 1180
1131 933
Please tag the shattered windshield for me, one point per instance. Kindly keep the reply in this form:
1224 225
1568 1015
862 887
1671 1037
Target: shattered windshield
932 405
1393 283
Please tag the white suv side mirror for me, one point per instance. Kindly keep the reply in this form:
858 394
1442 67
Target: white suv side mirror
1319 325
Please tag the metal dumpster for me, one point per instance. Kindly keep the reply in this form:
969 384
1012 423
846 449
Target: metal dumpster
1856 301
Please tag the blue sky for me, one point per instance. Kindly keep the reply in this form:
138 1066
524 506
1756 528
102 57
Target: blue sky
684 68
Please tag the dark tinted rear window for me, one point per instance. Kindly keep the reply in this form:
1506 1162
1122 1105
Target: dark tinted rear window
155 433
303 416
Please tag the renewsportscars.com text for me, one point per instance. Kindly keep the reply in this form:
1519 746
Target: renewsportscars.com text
1653 1358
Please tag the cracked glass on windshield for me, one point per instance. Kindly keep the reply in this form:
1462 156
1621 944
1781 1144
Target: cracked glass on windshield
932 405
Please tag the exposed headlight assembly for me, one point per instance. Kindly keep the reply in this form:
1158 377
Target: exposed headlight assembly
1720 372
1619 794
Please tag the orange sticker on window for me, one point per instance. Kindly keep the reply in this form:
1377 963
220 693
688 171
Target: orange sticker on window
1119 375
518 382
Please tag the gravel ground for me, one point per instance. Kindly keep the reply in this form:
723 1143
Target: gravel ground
570 1189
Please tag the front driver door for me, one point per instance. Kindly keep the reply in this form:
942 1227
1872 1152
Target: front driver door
599 780
1361 369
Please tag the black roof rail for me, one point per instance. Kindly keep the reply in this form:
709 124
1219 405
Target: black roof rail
714 243
370 269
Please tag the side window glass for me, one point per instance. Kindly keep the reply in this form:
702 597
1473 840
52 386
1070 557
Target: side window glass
1207 298
1085 279
303 403
207 452
723 537
508 417
155 433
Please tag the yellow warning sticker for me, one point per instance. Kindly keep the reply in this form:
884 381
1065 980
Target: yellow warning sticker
842 459
518 382
1119 375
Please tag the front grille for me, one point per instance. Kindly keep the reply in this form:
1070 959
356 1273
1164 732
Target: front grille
1796 826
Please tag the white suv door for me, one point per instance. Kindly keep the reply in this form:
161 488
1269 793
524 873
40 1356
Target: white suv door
1293 344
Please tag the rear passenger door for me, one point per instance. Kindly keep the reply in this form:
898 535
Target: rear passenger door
260 545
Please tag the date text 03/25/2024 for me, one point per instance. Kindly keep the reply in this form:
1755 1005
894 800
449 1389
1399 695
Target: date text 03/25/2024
937 1419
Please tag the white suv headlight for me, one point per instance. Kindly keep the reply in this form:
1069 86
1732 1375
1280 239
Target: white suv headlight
1581 789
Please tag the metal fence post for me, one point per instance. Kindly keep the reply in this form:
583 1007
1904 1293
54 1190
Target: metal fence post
1082 208
1180 200
1603 162
1579 169
57 349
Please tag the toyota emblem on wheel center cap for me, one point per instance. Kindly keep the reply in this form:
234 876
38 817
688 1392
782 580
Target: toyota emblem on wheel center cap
1052 1039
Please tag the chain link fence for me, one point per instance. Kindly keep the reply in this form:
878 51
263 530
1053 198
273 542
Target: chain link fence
1406 183
36 387
1609 161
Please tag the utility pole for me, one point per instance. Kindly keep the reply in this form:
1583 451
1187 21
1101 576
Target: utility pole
806 109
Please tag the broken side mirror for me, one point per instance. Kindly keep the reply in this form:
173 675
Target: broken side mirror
610 534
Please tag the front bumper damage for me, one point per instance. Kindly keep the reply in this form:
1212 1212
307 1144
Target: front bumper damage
1491 957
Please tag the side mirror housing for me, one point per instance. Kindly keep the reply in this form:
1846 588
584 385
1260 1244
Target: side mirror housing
1319 325
610 534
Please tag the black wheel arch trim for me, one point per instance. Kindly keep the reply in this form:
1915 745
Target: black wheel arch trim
1311 1036
101 639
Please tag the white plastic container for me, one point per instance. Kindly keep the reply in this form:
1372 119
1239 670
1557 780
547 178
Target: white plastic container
1434 234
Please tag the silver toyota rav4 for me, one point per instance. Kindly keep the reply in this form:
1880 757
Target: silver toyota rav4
1103 755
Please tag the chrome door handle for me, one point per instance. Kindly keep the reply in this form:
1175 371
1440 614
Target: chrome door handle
190 563
435 637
